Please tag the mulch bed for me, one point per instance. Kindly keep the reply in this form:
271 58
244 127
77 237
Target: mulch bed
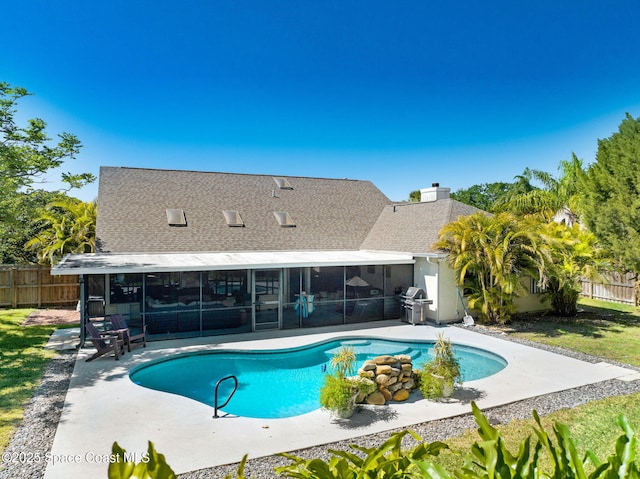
49 317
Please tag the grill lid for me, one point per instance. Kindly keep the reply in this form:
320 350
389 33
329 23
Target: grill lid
413 292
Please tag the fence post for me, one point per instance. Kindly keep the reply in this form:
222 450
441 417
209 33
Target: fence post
39 286
13 287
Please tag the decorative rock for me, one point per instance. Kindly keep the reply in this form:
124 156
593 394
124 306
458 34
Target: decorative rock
369 365
410 384
386 394
404 358
394 387
376 399
385 360
401 395
394 376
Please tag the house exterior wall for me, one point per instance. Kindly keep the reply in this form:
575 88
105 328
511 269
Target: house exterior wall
531 301
451 310
435 277
426 277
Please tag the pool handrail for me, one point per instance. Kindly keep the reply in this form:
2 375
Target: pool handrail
215 394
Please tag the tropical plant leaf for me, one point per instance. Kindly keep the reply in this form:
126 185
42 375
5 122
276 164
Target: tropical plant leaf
152 466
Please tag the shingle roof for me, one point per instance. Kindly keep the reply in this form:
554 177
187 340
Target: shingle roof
329 214
413 227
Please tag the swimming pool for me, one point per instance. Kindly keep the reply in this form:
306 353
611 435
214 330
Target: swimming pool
285 382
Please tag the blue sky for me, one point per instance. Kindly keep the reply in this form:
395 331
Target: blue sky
400 93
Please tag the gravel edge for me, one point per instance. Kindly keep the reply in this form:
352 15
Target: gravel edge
42 414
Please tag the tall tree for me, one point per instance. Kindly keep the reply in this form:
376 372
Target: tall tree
414 196
26 155
22 226
612 194
482 196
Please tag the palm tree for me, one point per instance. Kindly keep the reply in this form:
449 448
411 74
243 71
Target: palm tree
490 255
556 195
573 254
71 228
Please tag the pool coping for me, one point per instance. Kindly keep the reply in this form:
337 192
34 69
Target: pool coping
102 405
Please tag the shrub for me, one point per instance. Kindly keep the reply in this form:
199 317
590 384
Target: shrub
387 461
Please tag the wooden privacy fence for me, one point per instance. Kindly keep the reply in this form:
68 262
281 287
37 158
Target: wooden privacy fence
619 288
33 285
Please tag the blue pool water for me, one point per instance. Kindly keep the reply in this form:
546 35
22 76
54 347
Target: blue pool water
284 383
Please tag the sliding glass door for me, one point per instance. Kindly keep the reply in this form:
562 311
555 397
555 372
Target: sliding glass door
267 297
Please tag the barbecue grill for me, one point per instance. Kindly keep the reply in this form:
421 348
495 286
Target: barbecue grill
414 305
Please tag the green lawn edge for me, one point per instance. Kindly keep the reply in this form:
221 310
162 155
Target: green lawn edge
23 361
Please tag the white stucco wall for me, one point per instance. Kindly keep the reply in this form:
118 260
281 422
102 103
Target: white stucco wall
437 279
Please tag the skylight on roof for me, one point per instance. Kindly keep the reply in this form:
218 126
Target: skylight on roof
233 218
282 183
284 219
176 217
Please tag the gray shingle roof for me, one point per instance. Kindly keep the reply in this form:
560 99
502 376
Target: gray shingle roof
329 214
413 227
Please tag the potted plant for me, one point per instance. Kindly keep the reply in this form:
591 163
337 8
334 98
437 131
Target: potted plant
336 395
439 375
340 390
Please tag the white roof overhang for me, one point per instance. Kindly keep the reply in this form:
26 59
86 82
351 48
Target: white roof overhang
111 263
434 255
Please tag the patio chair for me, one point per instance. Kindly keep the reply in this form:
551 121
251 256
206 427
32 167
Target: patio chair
120 326
104 342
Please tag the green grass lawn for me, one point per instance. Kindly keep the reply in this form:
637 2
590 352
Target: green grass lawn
607 330
22 362
593 427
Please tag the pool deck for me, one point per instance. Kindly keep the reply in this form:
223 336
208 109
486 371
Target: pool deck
103 405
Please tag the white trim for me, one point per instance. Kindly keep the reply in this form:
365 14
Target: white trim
108 263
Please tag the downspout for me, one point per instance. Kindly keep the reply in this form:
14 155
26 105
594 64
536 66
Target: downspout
83 310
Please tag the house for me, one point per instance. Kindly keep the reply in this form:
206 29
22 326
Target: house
197 253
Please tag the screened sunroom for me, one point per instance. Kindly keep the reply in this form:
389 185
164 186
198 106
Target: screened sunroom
183 295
